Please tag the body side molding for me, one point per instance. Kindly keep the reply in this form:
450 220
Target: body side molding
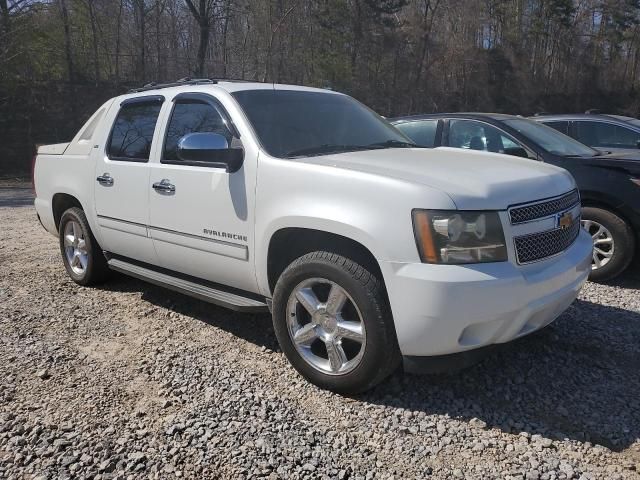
228 299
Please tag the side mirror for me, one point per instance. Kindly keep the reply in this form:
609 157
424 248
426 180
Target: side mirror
210 150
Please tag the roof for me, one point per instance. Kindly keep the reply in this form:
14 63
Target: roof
469 115
228 85
585 116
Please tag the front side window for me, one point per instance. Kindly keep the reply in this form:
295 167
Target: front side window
601 134
423 132
474 135
550 139
292 123
132 131
192 117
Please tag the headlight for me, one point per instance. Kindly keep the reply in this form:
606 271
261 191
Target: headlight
459 237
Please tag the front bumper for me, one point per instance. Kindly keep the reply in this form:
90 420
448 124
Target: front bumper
445 309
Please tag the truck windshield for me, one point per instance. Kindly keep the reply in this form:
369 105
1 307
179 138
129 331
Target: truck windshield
550 139
292 123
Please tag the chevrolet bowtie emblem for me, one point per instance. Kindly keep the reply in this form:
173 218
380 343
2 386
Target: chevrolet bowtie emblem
565 220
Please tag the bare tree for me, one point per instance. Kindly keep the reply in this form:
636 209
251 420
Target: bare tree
62 4
203 14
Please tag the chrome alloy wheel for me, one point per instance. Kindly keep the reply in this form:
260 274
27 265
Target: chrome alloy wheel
326 326
603 245
75 247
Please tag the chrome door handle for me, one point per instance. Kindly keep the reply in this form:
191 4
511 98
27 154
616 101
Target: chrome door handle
164 186
105 179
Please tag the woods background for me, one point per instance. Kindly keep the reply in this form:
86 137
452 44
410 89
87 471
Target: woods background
61 59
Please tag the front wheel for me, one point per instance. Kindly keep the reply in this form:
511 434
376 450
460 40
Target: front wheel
333 323
613 243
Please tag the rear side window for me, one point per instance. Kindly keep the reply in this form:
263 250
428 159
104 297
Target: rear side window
562 127
192 117
422 132
601 134
132 131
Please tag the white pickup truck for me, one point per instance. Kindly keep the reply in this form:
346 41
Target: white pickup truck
367 249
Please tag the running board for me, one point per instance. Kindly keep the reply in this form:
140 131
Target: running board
218 297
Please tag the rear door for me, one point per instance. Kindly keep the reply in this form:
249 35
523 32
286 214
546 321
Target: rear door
201 216
122 175
425 133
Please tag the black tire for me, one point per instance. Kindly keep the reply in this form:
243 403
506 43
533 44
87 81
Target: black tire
623 243
96 269
381 355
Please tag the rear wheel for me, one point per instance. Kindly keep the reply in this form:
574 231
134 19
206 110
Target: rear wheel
81 254
613 243
333 323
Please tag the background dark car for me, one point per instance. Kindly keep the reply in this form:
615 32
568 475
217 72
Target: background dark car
609 183
608 132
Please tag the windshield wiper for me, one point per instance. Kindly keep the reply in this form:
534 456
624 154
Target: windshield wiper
393 144
326 148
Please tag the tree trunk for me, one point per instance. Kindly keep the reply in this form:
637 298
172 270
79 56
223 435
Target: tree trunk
118 30
357 39
161 73
67 39
6 21
225 30
202 16
143 61
94 35
202 47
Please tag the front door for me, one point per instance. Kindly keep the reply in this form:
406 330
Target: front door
477 135
122 175
200 217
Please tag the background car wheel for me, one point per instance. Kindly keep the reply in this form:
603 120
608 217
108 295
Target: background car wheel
334 324
613 243
81 254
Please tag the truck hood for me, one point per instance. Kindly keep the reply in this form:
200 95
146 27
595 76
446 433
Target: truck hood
473 180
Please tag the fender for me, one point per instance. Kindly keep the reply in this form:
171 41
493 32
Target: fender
312 223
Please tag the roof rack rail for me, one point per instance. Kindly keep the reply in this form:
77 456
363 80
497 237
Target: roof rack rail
182 82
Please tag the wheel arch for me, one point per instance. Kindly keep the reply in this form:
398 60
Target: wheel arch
605 205
288 243
62 202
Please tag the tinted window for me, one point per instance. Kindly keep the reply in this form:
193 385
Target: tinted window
562 127
474 135
132 132
190 117
422 132
293 123
549 139
600 134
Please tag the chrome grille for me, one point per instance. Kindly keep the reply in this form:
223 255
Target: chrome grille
537 246
543 209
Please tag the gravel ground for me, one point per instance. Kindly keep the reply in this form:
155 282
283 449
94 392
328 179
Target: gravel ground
132 381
